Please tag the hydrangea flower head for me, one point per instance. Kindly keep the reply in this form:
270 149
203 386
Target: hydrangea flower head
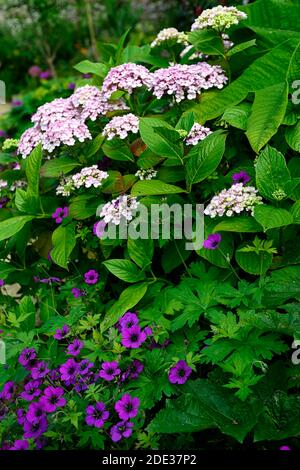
218 18
236 199
121 208
196 134
126 77
241 177
148 174
170 35
120 126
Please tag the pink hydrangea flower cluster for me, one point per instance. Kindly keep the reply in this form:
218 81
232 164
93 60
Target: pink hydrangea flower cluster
196 134
121 208
170 34
62 121
126 77
236 199
187 81
87 177
218 18
120 126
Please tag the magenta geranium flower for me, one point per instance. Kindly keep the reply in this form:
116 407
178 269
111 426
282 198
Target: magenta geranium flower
34 430
2 282
27 357
7 391
39 370
127 407
91 277
75 347
52 399
78 292
120 430
20 444
109 370
241 177
35 412
59 214
133 337
179 373
61 333
96 415
31 390
84 367
68 370
128 320
99 228
212 242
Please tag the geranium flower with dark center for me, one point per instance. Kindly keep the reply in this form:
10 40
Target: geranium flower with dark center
75 347
35 412
96 415
31 390
84 367
120 430
27 357
39 370
127 407
133 337
7 391
52 399
128 320
91 277
68 370
212 242
241 177
61 334
20 445
34 430
179 373
109 370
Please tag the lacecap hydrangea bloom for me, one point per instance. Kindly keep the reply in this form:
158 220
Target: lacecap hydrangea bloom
236 199
187 81
218 18
88 177
196 134
121 208
170 35
120 126
148 174
126 77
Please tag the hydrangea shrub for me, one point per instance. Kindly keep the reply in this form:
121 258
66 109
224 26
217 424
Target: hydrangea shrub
123 343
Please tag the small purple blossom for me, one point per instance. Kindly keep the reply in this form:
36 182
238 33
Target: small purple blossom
284 448
133 337
96 415
2 282
61 333
128 320
120 430
127 407
34 71
71 86
39 370
84 367
241 177
31 390
78 292
99 228
52 399
109 370
46 75
27 357
7 391
75 347
59 214
35 412
20 445
179 373
34 430
21 416
148 331
135 368
68 370
91 277
212 242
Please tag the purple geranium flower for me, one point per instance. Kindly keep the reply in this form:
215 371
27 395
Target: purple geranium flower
52 399
71 86
212 242
179 373
34 430
91 277
46 75
128 320
60 213
135 368
284 448
86 75
39 370
99 228
20 445
133 337
40 442
120 430
84 367
61 334
109 370
96 415
127 407
241 177
35 412
75 347
7 391
27 357
31 390
2 282
78 292
21 416
68 370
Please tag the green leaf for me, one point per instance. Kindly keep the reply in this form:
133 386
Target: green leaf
64 241
238 224
86 66
6 269
124 269
208 41
272 217
205 157
27 311
267 114
83 206
33 165
154 187
141 251
116 149
128 299
10 227
205 405
253 263
241 47
292 136
237 116
59 166
295 211
93 146
23 202
272 173
160 137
